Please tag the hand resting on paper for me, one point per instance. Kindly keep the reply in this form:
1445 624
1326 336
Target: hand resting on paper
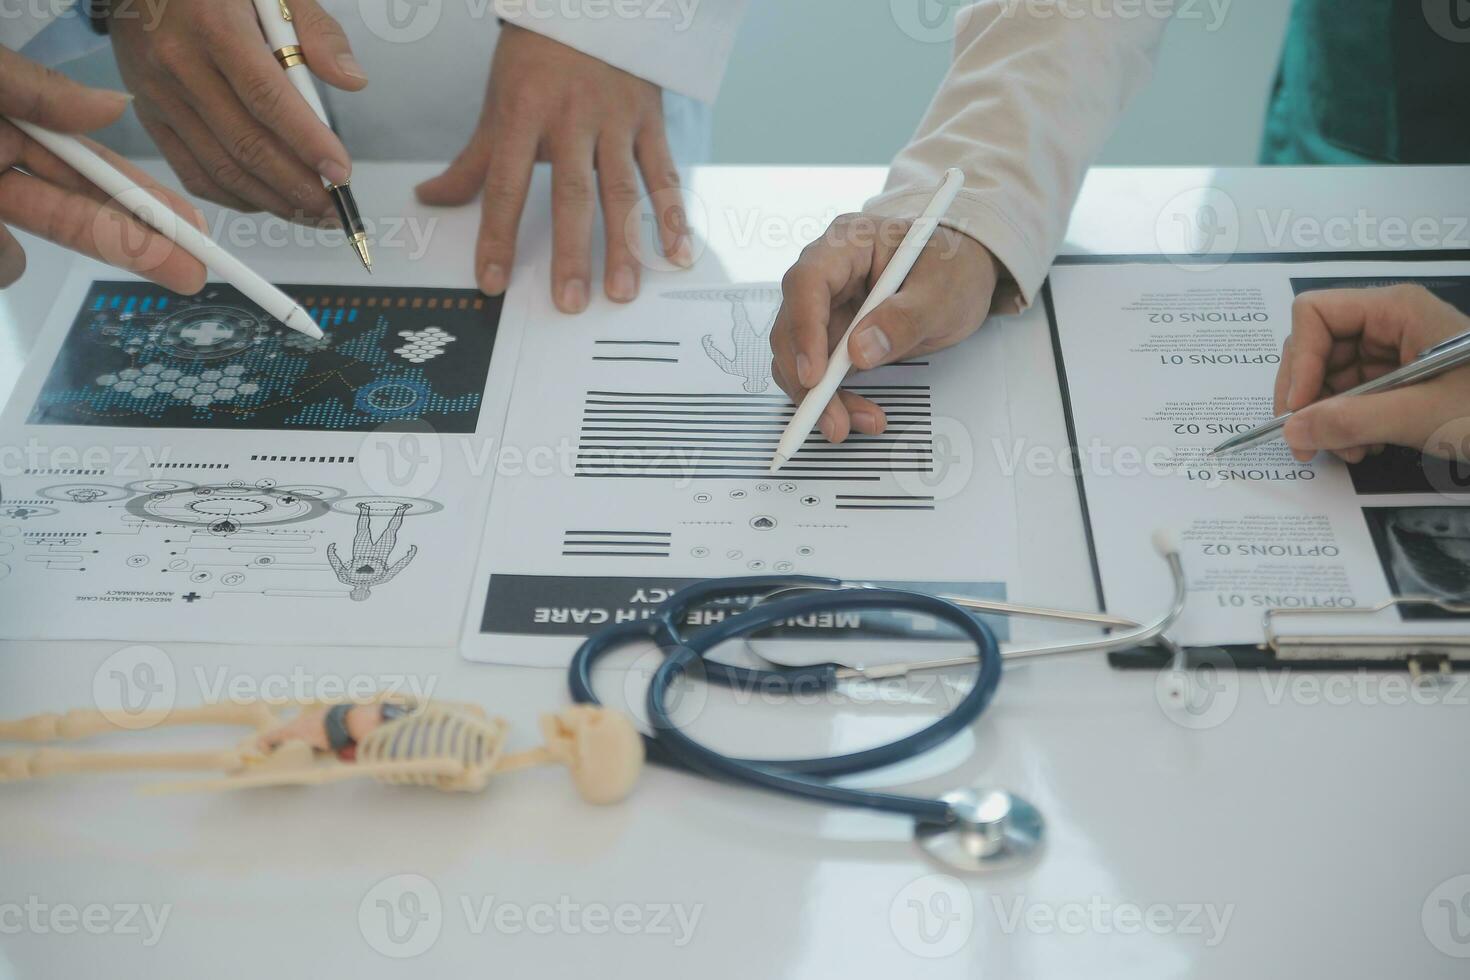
602 130
944 300
1343 337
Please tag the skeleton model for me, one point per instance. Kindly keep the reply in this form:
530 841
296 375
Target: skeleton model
443 745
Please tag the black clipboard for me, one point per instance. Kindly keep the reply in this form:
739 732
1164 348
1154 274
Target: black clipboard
1419 656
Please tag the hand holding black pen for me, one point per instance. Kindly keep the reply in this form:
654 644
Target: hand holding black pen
280 34
222 111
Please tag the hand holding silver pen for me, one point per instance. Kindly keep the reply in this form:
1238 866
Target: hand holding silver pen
1364 368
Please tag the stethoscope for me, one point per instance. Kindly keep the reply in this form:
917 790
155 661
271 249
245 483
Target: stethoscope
971 828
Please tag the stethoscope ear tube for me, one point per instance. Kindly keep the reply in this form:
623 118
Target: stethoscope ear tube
794 777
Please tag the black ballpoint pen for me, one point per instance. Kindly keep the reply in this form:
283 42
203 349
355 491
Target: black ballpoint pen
275 21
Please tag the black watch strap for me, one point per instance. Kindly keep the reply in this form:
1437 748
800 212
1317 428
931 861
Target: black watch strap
97 12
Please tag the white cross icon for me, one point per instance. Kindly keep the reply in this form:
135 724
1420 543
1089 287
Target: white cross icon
206 334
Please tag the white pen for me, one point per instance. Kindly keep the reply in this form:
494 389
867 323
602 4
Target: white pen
149 209
275 22
897 270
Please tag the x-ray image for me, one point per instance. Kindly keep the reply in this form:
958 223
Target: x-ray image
1425 551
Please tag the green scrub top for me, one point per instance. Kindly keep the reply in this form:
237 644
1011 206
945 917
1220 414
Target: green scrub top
1372 81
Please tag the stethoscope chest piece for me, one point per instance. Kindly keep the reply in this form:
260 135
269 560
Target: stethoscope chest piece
993 830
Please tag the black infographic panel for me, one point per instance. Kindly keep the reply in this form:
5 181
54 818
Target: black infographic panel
138 355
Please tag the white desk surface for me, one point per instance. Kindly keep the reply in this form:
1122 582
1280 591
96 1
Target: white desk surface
1327 824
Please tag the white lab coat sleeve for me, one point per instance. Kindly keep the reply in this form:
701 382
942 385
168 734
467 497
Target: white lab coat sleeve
1034 90
679 45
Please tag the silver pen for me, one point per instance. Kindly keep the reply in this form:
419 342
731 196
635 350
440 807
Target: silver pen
1431 361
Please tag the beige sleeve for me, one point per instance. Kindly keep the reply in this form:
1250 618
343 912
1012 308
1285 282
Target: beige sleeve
1035 88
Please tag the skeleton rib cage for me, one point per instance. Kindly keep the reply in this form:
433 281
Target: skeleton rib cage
461 740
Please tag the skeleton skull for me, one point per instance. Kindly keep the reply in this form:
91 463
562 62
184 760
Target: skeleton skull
602 749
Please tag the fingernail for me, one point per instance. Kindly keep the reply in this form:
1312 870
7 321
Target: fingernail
574 296
493 280
866 421
623 285
804 371
825 424
872 345
682 254
350 66
125 98
333 172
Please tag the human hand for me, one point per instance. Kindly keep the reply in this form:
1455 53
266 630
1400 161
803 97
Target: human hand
44 196
944 299
221 109
546 101
1341 338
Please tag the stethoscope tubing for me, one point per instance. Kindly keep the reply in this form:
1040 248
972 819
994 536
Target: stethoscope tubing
669 745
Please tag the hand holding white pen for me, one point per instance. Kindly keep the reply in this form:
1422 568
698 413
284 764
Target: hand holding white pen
45 196
127 194
870 299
